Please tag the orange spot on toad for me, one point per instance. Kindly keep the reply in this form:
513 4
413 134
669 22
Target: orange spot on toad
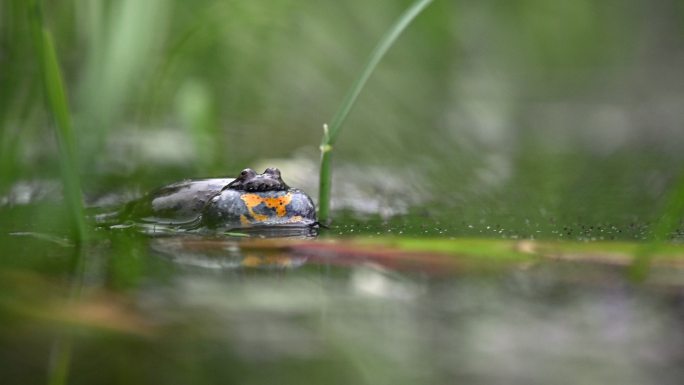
279 204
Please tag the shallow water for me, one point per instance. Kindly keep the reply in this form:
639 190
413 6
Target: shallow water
134 308
142 304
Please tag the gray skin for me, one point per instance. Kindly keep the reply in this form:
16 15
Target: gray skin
182 203
248 180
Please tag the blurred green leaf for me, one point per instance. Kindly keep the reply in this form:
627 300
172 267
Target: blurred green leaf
57 102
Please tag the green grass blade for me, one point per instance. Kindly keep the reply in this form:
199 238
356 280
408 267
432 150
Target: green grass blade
325 184
380 50
331 134
667 223
672 213
56 99
60 361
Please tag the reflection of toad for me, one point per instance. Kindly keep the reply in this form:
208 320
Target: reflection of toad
249 200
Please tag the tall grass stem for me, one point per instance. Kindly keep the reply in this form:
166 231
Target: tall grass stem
56 100
331 132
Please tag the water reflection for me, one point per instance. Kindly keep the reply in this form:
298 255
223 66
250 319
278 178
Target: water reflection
221 253
301 311
511 327
264 252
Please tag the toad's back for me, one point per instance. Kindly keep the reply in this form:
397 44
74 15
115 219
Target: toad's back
250 200
177 203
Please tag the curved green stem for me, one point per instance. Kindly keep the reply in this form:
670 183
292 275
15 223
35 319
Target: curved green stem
331 134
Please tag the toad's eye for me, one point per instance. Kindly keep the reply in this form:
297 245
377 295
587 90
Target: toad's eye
247 173
273 171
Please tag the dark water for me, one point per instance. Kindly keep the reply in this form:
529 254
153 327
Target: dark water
139 309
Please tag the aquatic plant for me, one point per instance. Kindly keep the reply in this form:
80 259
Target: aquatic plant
330 133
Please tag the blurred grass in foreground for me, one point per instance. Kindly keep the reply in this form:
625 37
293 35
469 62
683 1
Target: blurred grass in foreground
56 99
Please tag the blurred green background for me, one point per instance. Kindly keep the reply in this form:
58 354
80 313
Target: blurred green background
486 111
